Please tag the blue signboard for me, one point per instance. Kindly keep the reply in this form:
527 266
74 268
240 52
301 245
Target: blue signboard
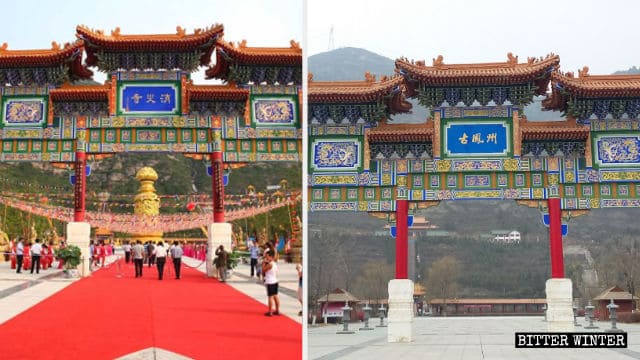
464 139
148 98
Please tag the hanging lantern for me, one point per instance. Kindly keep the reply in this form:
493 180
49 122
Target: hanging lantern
191 206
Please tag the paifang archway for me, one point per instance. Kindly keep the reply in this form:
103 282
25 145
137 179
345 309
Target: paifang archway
150 104
475 145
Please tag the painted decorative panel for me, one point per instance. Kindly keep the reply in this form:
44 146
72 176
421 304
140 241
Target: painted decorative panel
24 111
476 138
336 154
615 150
477 181
502 179
141 97
274 110
148 136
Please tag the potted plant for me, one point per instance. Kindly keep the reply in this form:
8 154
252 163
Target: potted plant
233 259
71 255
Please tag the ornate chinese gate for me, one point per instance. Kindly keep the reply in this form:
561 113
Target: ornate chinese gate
150 104
475 145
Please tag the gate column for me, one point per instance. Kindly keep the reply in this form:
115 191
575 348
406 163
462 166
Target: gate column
79 231
219 231
558 289
401 289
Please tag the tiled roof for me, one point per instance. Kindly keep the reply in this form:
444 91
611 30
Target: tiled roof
180 41
352 91
202 40
240 53
615 293
70 53
597 85
553 130
338 295
502 73
80 93
393 133
216 92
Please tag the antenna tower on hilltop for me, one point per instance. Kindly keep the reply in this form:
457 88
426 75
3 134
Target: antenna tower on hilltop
332 44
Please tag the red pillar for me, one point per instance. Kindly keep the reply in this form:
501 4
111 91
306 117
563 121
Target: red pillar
80 186
555 238
218 187
402 239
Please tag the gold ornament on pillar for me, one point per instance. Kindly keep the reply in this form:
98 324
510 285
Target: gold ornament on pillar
147 202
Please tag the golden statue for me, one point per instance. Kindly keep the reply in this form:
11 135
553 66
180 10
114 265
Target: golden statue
34 234
4 246
147 202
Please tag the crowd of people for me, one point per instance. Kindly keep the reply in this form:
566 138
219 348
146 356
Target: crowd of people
151 253
33 256
26 255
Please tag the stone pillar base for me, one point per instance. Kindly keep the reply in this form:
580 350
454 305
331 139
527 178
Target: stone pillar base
400 315
79 234
219 234
559 305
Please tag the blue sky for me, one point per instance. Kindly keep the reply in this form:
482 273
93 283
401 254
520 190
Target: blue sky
31 24
600 34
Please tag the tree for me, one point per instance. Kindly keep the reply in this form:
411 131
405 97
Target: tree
372 283
442 278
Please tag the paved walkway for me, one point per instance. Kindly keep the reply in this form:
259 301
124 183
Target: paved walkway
457 338
19 292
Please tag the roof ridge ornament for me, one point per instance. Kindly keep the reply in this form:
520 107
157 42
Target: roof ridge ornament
309 77
4 47
512 60
369 77
584 72
180 31
55 46
115 32
294 44
439 61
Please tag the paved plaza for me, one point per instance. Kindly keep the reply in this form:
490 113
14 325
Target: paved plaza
457 338
21 293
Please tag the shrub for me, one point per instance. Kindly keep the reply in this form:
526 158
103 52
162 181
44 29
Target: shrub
627 317
70 254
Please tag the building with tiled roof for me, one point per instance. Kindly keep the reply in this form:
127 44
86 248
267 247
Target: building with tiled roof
44 66
242 64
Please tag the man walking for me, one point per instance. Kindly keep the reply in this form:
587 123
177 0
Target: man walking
36 250
160 254
127 252
255 252
137 251
176 255
19 255
221 263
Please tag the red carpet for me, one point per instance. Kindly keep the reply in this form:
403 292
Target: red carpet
103 317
